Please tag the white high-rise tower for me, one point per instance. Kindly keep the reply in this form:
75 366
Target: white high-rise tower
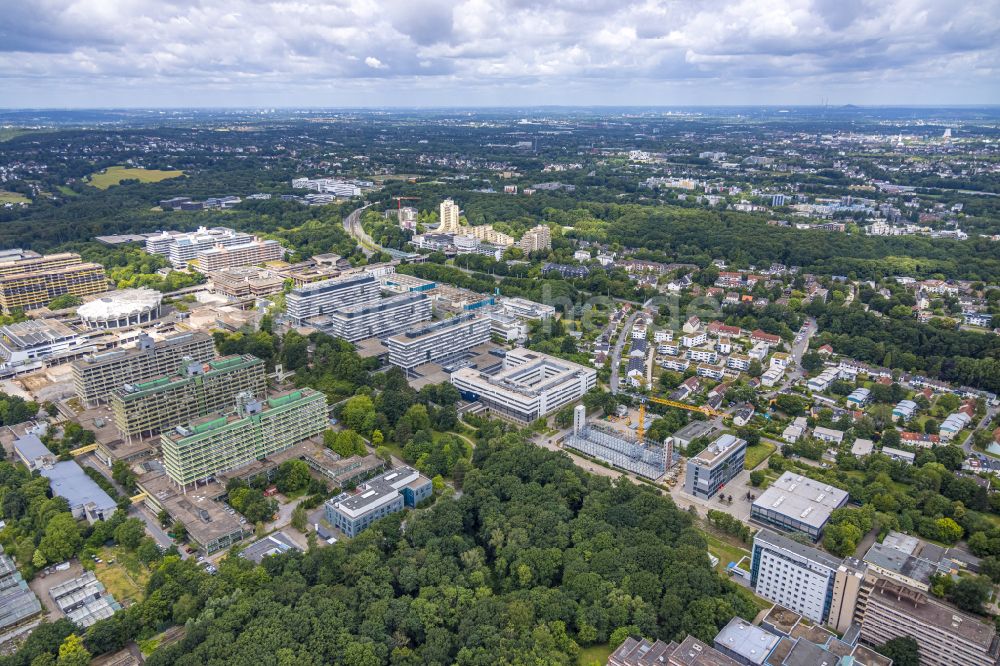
449 218
579 419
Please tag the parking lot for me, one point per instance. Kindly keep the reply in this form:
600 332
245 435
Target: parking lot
738 488
41 585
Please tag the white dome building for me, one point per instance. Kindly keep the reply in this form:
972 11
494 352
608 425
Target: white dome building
120 309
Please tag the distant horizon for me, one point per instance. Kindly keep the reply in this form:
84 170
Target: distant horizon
187 54
474 107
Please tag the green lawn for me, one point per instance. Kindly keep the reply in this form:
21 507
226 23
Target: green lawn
758 454
67 192
126 578
595 654
114 175
726 552
13 197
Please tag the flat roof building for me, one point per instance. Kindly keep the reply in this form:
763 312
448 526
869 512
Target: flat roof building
508 329
796 576
718 464
250 253
376 318
535 239
273 544
181 248
522 308
32 453
828 435
145 408
223 442
746 643
530 385
944 635
95 377
378 497
803 643
86 499
636 651
33 282
862 447
37 340
401 283
209 527
318 298
433 342
797 503
908 560
246 282
904 410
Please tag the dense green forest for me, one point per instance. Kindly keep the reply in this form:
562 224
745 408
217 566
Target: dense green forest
132 208
533 561
677 234
961 357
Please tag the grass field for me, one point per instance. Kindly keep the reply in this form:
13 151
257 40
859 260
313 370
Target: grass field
13 197
595 654
66 191
758 454
726 552
125 579
114 175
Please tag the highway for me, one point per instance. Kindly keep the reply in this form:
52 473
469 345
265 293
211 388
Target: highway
352 225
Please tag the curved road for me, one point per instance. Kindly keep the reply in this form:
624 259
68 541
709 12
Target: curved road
352 225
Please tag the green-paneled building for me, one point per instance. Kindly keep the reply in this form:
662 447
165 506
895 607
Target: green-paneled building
220 442
155 405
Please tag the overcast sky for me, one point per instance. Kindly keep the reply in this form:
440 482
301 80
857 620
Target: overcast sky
150 53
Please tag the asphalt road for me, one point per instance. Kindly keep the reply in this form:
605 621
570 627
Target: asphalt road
352 225
983 423
616 354
153 528
798 350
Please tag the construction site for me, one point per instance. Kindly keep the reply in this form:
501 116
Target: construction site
619 449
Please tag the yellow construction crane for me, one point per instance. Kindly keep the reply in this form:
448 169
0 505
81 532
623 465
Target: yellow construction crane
641 429
707 411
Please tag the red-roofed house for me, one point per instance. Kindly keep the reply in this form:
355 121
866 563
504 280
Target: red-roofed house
919 439
717 328
760 336
825 350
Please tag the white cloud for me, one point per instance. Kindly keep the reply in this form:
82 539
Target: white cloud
525 49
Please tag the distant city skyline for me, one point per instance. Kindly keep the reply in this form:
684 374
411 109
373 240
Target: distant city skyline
467 53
